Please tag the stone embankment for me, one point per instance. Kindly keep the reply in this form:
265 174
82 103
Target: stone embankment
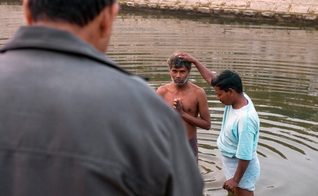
303 11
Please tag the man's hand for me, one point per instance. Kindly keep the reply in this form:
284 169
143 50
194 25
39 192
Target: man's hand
205 72
186 57
230 185
177 104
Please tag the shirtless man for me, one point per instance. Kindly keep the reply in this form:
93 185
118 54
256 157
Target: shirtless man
187 98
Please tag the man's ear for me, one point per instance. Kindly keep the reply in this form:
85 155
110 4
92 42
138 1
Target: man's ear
27 13
231 91
109 15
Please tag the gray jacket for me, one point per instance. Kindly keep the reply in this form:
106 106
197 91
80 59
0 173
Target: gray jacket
73 123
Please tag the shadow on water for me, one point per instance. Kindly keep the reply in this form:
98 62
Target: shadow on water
279 68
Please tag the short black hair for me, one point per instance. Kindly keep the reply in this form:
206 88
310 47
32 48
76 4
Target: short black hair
228 79
78 12
175 61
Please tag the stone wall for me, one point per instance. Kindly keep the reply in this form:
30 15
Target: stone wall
304 11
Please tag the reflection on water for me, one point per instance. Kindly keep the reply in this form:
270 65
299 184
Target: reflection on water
278 65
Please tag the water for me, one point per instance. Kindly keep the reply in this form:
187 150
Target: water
279 68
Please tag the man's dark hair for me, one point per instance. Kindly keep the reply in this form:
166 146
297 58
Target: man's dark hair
78 12
177 62
228 79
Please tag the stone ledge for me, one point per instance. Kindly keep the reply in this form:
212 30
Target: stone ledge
275 10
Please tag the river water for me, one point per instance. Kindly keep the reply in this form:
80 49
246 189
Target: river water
279 68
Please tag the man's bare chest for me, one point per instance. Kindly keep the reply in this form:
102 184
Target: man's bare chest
188 100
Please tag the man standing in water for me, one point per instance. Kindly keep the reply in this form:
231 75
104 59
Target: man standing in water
188 99
239 134
74 123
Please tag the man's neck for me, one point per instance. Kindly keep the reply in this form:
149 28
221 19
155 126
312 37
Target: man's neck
87 33
240 102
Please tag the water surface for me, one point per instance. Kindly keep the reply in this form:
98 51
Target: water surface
278 65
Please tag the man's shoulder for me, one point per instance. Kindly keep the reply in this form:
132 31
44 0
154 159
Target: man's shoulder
196 88
164 88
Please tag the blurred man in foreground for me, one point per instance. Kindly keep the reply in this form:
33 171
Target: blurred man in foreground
73 123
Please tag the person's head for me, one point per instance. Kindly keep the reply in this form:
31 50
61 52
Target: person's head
179 69
226 85
85 18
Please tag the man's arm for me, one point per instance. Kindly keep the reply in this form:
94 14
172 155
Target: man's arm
204 121
205 72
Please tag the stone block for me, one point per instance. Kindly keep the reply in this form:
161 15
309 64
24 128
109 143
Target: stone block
311 2
141 1
241 4
299 17
267 14
204 2
229 3
174 7
152 5
283 1
188 8
276 1
299 8
153 1
191 2
232 11
249 13
309 17
168 2
204 9
218 3
142 5
282 7
285 15
262 5
216 10
130 4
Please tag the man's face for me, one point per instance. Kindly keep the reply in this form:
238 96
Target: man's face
179 75
222 96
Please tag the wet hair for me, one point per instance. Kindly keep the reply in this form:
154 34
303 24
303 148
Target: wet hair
174 61
78 12
228 79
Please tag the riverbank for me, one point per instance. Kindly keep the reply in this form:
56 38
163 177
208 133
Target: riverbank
298 11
